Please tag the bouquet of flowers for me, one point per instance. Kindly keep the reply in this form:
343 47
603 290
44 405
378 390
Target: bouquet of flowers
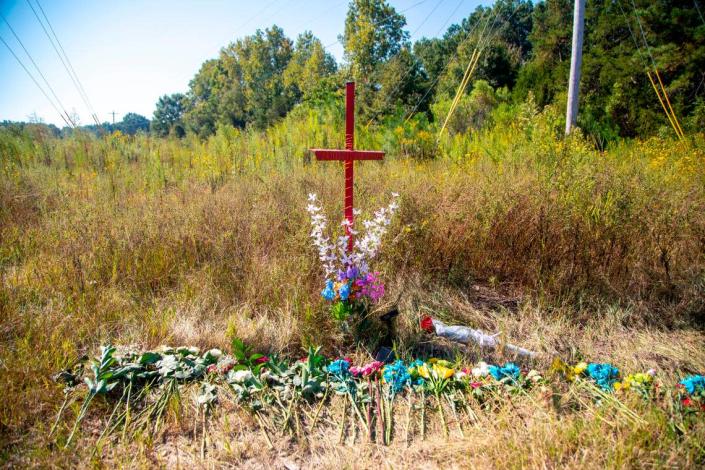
350 286
692 392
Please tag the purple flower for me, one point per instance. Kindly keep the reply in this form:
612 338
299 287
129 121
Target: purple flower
371 286
352 272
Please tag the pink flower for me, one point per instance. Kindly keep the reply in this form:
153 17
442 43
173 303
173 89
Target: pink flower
370 286
371 368
212 368
262 360
476 384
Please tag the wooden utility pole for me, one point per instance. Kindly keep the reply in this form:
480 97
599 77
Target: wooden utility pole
113 113
576 60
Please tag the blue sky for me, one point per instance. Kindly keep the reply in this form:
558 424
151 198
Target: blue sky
127 53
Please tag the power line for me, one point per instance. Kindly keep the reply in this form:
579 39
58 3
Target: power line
259 12
377 23
410 68
699 12
34 80
51 28
61 105
663 100
455 57
84 97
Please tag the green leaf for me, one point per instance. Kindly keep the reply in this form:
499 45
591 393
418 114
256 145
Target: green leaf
149 358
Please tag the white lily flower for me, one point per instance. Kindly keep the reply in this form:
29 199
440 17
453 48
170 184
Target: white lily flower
242 376
216 353
482 370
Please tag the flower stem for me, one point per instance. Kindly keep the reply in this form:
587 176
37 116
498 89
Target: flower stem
423 415
61 411
408 421
342 422
264 430
318 410
81 414
443 418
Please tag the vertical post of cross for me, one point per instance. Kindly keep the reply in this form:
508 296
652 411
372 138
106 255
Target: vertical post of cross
349 145
348 157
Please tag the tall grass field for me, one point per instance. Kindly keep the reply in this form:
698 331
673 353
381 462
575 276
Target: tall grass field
142 241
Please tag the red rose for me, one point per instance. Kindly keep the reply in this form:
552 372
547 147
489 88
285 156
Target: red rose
262 360
687 401
427 324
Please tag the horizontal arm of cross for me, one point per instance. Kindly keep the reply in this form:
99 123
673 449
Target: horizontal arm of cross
345 155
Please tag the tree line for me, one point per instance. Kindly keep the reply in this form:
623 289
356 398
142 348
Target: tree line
524 55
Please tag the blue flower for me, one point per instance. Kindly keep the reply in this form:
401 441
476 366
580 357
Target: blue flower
396 375
509 370
344 291
339 368
693 384
604 375
328 293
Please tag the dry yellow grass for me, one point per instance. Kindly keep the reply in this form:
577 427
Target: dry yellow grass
565 250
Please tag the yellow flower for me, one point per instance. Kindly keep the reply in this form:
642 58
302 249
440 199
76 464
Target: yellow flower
580 368
423 371
442 371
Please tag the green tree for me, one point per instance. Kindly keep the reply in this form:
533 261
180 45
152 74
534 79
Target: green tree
244 85
132 123
374 34
168 115
310 68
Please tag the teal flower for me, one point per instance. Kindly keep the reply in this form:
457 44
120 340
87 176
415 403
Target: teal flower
340 368
604 375
396 375
693 384
509 370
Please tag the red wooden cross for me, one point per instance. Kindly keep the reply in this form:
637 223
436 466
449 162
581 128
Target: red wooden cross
348 156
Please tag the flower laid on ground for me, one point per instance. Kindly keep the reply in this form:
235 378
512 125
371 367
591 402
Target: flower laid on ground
508 371
604 375
640 380
694 385
153 378
349 284
413 370
339 368
366 370
482 370
396 375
